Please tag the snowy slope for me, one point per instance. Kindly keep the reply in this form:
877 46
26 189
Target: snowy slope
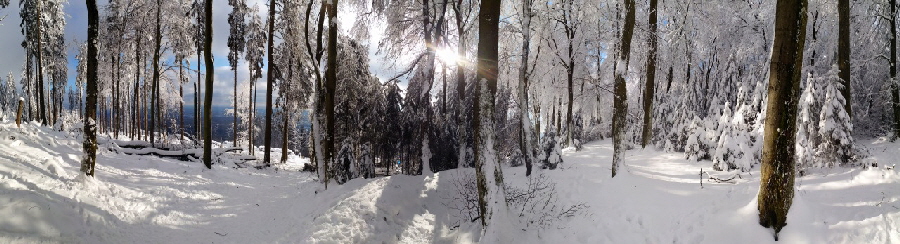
146 199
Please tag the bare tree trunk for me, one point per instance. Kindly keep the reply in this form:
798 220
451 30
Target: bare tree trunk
525 132
181 94
235 124
620 101
40 66
88 162
777 174
154 97
489 178
267 154
844 52
460 84
207 106
651 80
330 86
895 87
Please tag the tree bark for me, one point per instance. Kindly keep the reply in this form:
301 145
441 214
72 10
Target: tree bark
330 87
154 97
649 91
40 66
267 154
895 87
489 178
88 162
525 131
620 100
844 53
207 106
777 174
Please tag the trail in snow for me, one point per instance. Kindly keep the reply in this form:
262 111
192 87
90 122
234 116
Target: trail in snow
658 200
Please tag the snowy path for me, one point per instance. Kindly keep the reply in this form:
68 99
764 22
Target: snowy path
660 200
657 200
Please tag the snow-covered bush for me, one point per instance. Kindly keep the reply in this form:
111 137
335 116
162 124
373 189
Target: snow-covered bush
700 139
344 168
550 156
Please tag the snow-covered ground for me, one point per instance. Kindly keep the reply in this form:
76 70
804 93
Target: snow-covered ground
146 199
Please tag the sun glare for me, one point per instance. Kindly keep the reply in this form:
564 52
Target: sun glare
447 56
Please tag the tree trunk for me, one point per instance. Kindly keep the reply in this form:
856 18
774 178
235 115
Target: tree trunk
207 105
460 84
330 87
620 101
844 52
235 124
88 162
895 87
181 94
777 172
525 136
154 97
488 175
267 154
40 66
649 92
252 107
197 91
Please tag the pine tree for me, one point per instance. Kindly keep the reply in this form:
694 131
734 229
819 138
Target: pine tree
834 128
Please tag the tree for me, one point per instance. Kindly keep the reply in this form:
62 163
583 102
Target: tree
89 160
256 44
526 141
843 53
270 84
488 174
895 82
651 79
777 180
330 87
42 25
207 105
154 98
236 43
620 101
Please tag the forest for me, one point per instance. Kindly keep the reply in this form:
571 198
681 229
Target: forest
503 110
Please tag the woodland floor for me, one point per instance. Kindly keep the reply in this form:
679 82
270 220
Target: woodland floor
659 199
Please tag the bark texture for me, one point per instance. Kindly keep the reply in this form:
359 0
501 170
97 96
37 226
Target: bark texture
649 91
620 101
89 161
777 174
844 52
207 99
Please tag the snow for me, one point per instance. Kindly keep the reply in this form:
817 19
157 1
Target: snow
657 198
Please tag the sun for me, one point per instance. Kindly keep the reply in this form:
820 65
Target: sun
447 56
